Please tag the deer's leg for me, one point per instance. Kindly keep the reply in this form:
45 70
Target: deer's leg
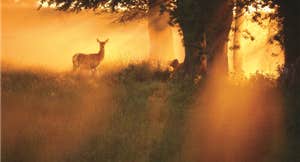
75 68
92 69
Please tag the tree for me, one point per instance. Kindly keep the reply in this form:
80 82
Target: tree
198 18
289 10
160 33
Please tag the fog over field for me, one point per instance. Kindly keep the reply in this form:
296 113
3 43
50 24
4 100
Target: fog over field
49 38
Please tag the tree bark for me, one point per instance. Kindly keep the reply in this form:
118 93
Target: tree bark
192 57
192 37
196 18
290 11
219 29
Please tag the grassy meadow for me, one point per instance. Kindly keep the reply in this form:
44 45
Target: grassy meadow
119 116
141 114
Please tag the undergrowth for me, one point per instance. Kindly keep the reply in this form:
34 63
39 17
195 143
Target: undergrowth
138 113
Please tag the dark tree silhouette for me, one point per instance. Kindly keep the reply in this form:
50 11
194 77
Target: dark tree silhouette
289 10
198 18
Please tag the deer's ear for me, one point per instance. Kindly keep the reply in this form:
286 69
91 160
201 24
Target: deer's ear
106 40
97 40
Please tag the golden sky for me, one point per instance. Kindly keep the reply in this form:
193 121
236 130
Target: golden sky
50 38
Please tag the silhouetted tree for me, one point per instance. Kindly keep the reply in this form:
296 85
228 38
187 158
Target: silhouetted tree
198 18
289 10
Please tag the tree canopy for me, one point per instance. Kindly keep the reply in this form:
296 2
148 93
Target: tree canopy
129 9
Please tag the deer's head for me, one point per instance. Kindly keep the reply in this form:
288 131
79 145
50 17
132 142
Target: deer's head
102 43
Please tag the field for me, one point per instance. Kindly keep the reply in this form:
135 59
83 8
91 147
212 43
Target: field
140 114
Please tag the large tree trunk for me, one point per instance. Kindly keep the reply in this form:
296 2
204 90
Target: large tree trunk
193 29
192 56
213 18
192 36
219 32
290 11
160 33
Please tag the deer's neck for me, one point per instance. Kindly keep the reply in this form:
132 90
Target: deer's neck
101 52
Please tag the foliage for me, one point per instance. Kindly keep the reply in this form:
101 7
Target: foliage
127 9
127 115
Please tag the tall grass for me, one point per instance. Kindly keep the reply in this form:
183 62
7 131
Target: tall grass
133 114
137 113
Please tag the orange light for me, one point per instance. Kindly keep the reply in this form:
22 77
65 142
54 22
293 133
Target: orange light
257 55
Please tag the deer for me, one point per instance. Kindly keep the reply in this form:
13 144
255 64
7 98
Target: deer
89 61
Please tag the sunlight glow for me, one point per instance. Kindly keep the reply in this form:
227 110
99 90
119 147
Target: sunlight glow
266 9
256 54
46 5
48 39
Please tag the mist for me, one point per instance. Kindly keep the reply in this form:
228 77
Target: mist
47 38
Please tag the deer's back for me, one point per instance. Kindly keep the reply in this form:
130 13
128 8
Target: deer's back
86 60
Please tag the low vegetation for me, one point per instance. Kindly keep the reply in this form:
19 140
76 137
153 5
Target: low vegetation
137 113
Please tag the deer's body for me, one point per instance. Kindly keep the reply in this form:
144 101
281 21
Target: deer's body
89 61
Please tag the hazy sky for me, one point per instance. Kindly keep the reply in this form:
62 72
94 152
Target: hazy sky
50 38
